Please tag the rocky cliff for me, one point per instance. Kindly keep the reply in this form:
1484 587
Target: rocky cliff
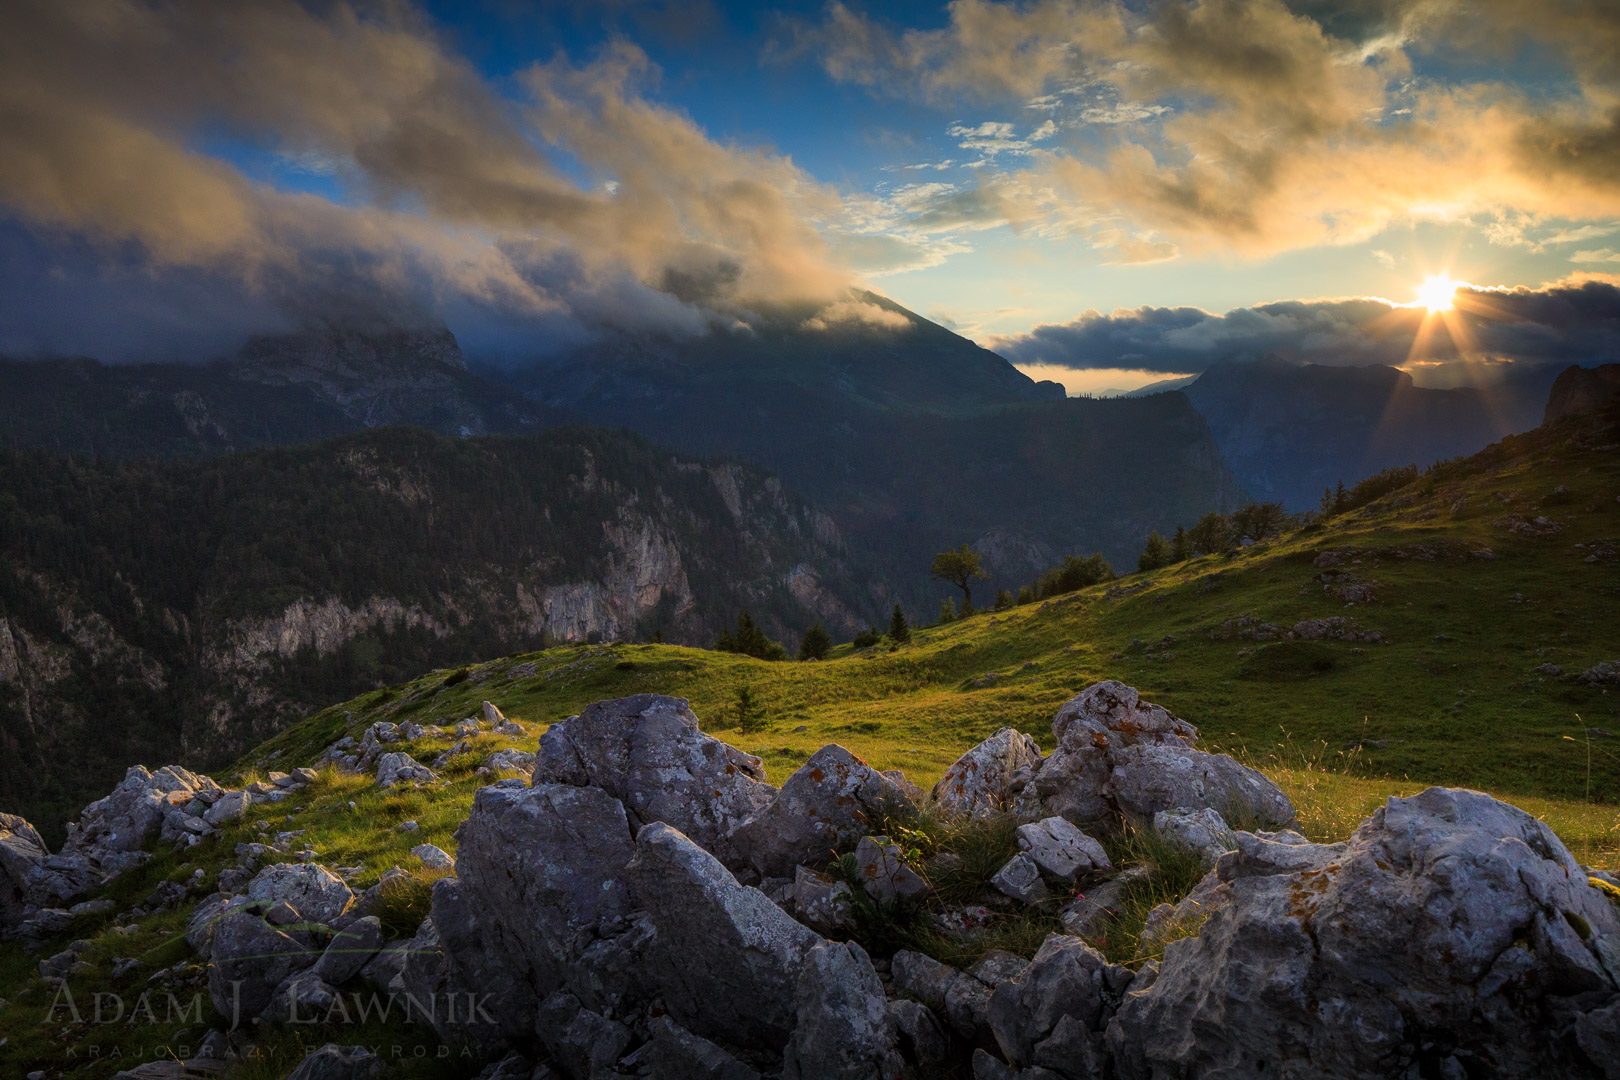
188 609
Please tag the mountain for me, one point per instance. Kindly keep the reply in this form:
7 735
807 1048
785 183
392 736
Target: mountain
1290 430
914 439
276 390
186 609
1160 387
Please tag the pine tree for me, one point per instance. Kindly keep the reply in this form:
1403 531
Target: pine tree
947 610
1155 553
899 628
815 643
1180 549
750 713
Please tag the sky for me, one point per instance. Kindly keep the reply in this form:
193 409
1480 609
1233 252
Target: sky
1106 192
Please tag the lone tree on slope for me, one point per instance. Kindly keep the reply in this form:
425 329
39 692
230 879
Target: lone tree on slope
899 628
961 567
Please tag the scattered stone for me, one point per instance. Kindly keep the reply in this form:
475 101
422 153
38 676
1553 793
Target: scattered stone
844 1031
316 893
433 857
1090 911
407 827
349 951
508 761
822 903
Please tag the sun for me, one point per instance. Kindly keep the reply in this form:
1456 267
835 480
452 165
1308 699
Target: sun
1438 292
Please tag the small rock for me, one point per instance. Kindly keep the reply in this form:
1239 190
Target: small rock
434 857
1060 850
1020 879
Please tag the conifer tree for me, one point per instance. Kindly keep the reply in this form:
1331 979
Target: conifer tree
1155 553
899 628
815 643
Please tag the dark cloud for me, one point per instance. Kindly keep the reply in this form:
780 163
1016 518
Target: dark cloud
1566 323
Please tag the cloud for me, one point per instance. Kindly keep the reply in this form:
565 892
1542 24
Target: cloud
1253 126
1568 322
1595 255
451 194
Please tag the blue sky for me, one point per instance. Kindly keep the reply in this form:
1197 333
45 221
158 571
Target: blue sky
542 173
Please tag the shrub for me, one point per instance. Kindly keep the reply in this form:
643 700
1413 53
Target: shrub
866 638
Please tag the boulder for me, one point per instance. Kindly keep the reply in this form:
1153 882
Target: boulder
21 852
317 894
726 960
831 800
508 761
349 951
334 1062
1090 727
1147 779
991 776
1451 933
884 873
400 768
492 715
1062 852
921 1036
962 998
1051 1012
1202 831
229 807
647 752
249 959
844 1031
434 857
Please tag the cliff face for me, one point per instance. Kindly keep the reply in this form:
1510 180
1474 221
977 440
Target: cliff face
186 610
1582 390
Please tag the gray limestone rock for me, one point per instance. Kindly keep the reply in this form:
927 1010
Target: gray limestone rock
822 903
301 998
1447 915
1089 911
349 951
1203 831
317 894
725 958
21 852
1064 981
990 777
434 857
249 958
1021 879
833 798
1090 727
648 752
921 1036
844 1031
400 768
508 761
1147 779
884 874
1062 852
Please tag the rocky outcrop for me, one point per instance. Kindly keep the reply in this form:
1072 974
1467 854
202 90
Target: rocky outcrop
1117 757
1580 390
21 852
648 752
1453 935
